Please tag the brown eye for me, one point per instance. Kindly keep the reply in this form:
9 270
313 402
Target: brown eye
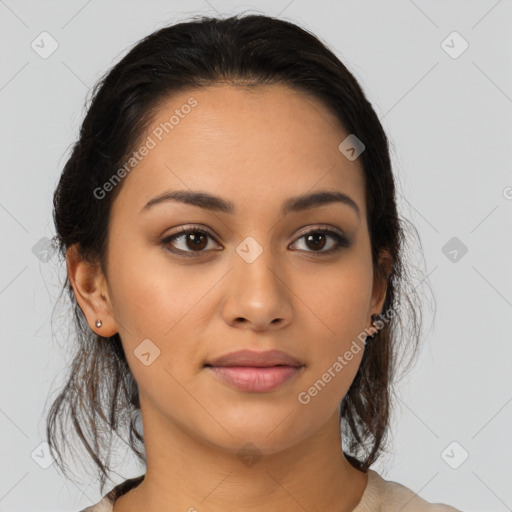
196 240
190 241
317 240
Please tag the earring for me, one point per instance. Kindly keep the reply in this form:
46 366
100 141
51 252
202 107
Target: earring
98 323
374 318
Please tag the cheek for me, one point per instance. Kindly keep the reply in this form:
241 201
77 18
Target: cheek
337 313
152 303
333 367
149 295
155 300
337 300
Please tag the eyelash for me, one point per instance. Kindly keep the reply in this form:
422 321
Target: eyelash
341 241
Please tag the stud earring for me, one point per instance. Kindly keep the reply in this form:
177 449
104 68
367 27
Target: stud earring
374 319
98 323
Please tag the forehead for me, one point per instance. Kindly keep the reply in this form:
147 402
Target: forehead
252 145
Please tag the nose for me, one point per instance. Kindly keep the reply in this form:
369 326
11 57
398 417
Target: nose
257 294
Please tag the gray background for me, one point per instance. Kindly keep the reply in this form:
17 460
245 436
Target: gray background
450 125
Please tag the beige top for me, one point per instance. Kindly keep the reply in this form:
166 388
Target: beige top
379 496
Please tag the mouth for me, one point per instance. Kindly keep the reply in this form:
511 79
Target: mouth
255 372
257 359
255 379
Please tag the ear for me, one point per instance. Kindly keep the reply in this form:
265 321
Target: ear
380 281
90 287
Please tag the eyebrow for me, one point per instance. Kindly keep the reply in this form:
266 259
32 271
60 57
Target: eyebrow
293 204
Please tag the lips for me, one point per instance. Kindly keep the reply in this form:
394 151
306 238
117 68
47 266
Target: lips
255 372
258 359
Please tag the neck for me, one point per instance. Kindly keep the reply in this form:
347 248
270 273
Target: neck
183 473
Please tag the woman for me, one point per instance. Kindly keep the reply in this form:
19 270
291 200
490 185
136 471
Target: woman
234 257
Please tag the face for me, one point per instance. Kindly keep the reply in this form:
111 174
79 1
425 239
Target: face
189 283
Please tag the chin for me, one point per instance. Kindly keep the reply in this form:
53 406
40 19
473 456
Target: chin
266 432
255 444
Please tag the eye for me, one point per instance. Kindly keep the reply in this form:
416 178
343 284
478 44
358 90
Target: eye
195 240
317 239
192 238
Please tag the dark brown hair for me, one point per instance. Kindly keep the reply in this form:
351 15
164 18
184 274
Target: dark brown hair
100 396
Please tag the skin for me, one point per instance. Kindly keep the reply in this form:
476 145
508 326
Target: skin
255 148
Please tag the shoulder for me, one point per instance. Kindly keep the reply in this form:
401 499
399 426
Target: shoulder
107 503
387 496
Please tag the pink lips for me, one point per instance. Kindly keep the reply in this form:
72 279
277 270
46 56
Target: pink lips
256 372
